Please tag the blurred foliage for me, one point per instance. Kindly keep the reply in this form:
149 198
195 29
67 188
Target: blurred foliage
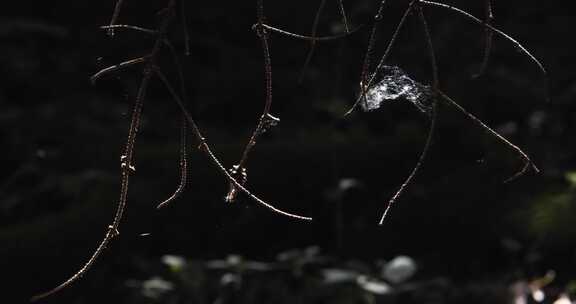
305 276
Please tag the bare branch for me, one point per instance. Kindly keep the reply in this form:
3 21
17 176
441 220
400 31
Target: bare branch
527 161
312 39
488 39
364 81
183 166
313 42
117 67
184 21
434 115
115 15
343 14
130 27
206 149
500 33
126 160
126 170
416 168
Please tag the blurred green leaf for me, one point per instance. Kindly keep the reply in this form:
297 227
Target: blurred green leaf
571 178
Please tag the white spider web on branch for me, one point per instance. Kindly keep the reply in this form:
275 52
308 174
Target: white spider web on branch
392 83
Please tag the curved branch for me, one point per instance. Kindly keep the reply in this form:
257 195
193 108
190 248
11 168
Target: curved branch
183 166
312 38
487 41
206 148
130 27
313 42
527 161
416 168
117 67
343 14
434 115
126 169
126 160
500 33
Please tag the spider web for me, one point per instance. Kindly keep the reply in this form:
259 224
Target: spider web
392 83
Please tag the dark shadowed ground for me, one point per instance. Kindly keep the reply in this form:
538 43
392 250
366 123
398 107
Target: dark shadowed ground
61 139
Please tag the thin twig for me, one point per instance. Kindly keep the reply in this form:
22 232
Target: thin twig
262 33
501 34
115 15
368 56
183 130
126 169
313 42
184 21
129 27
343 13
430 46
206 149
365 82
488 39
527 161
412 174
183 166
312 39
117 67
427 145
126 160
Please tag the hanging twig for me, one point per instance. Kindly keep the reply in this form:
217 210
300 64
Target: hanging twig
264 120
183 164
343 14
501 34
116 68
427 145
419 163
365 82
206 149
115 15
488 39
313 42
130 27
310 38
184 21
527 161
126 160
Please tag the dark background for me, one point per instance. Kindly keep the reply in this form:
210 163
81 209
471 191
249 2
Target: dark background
61 140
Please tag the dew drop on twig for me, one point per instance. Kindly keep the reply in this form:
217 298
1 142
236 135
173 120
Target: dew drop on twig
269 121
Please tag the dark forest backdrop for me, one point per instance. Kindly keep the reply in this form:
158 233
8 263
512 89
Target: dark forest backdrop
61 140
